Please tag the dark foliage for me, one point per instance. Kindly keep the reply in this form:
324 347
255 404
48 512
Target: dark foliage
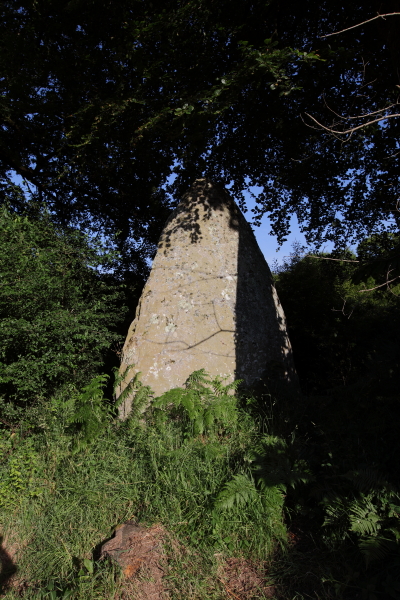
337 454
342 335
101 100
59 315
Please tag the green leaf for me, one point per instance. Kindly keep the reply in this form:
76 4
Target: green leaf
89 565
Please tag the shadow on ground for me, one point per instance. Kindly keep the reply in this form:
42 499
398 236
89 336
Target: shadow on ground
7 567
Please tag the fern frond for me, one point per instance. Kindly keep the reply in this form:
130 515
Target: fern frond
192 407
171 397
197 379
366 480
140 402
199 405
199 424
130 388
92 413
209 416
120 377
364 519
276 467
220 389
395 531
376 548
238 492
137 394
218 386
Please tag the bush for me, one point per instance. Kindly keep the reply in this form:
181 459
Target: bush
341 335
58 316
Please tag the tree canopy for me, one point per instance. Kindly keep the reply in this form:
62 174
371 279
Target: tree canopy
102 101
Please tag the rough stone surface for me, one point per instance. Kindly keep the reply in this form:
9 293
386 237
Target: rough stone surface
209 302
134 547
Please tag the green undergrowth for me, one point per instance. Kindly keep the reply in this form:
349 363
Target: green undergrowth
70 473
307 489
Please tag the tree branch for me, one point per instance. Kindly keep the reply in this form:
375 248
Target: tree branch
370 114
381 285
326 258
359 24
25 172
349 131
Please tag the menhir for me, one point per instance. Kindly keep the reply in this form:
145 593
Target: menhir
210 302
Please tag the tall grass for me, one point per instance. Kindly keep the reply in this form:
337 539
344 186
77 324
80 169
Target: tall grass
156 471
267 481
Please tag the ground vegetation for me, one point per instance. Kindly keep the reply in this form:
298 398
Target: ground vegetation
256 495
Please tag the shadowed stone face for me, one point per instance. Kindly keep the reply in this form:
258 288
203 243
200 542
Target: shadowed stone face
209 302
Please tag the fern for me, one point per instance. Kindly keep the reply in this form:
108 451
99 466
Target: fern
367 480
237 492
364 518
363 506
119 381
91 415
140 394
204 404
220 389
197 380
276 464
376 548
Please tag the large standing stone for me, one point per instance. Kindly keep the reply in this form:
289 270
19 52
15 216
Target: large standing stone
209 302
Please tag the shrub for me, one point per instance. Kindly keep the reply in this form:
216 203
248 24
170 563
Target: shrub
58 317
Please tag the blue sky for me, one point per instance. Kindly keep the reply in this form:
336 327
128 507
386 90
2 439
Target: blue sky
268 243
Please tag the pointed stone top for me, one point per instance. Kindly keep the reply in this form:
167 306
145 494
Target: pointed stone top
199 205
